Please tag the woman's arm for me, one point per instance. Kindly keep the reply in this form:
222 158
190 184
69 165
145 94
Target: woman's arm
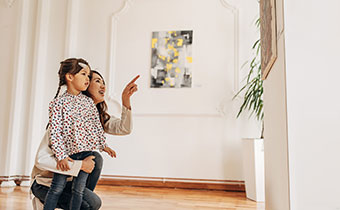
45 160
119 126
123 126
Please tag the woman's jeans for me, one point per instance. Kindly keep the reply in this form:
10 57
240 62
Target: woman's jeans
72 195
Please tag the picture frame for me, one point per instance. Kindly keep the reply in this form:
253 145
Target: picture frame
171 59
268 35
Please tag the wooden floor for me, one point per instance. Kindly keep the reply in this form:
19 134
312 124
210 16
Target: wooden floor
140 198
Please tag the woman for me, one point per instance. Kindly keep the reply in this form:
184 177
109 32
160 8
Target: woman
45 162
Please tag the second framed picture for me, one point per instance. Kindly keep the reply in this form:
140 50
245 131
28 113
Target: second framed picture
268 36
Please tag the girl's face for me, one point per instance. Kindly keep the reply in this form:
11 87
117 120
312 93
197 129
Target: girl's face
80 81
97 88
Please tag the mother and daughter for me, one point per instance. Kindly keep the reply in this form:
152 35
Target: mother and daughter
67 166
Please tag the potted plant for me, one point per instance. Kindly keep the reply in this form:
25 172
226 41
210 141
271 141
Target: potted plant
253 89
253 152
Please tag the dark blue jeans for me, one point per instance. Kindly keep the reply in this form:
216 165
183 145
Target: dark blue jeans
64 195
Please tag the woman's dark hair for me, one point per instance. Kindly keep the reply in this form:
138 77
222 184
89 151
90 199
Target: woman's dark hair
71 66
102 106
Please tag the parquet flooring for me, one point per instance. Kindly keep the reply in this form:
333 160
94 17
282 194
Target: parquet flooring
140 198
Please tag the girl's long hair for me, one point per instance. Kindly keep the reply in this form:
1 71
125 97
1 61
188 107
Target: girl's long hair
102 106
71 66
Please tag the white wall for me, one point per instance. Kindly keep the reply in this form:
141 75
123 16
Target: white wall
188 133
275 131
301 109
312 55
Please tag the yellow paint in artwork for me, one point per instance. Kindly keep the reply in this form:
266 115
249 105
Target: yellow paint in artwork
167 79
179 42
189 59
176 53
178 70
168 59
161 57
172 83
176 75
170 47
154 41
175 61
168 66
166 40
162 81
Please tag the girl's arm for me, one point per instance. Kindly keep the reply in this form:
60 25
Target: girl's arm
45 160
119 126
56 122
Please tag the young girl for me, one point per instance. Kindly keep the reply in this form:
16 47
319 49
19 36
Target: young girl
75 130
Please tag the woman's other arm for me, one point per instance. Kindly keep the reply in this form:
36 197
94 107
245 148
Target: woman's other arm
119 126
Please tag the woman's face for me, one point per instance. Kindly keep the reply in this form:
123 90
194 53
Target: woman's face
97 88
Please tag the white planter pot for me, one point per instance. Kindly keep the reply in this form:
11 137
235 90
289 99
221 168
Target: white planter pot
253 168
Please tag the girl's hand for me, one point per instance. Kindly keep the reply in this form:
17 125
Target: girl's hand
128 91
110 151
63 164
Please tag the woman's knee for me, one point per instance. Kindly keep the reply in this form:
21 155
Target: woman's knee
93 206
91 200
97 202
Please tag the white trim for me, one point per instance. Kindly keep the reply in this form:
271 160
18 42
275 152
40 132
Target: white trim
176 115
38 75
112 95
19 68
71 32
169 179
235 12
9 184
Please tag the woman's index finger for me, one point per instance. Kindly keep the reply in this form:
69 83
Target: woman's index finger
134 79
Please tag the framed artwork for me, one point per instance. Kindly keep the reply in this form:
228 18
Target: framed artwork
171 59
268 36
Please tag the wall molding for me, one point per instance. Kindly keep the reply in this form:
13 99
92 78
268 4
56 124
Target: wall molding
113 95
18 179
71 31
176 115
184 183
235 12
38 77
19 69
140 181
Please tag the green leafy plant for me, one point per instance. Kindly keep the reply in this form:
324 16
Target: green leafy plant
253 89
